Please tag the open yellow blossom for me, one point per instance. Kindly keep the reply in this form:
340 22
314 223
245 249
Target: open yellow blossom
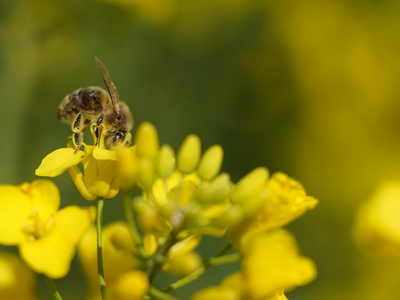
16 280
271 263
46 237
99 168
118 256
285 200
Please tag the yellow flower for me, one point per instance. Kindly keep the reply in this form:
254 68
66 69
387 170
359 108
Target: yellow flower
46 237
118 256
271 263
99 168
16 280
377 225
284 201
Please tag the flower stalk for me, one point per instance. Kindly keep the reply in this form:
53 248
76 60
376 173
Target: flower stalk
102 282
53 288
218 259
133 230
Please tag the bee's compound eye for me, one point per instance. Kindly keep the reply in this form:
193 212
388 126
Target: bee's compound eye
119 136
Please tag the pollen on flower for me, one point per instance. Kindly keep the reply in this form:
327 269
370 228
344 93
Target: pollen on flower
35 227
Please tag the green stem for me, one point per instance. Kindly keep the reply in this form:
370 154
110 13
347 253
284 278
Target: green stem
53 288
224 250
102 282
133 230
218 259
223 260
159 257
153 292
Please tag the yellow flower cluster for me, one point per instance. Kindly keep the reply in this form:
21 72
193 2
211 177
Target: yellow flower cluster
183 197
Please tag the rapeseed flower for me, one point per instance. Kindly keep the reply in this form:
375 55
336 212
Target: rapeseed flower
273 202
46 237
271 263
99 168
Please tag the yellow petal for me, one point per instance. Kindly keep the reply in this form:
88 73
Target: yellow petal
57 162
103 186
45 197
79 181
272 262
15 207
90 169
103 154
52 254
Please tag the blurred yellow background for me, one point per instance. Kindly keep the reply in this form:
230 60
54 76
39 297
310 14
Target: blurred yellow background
307 87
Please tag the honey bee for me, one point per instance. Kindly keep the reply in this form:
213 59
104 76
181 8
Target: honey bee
94 105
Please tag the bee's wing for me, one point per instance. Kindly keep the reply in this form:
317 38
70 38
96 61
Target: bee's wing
112 90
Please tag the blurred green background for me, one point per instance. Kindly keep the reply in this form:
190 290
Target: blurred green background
307 87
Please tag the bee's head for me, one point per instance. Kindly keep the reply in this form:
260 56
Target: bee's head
117 138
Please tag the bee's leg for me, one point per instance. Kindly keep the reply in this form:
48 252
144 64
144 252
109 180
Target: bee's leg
96 128
77 127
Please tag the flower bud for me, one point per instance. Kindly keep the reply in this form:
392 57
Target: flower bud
132 285
166 162
147 172
250 184
211 162
147 140
120 238
232 216
185 264
189 154
127 168
218 190
150 244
